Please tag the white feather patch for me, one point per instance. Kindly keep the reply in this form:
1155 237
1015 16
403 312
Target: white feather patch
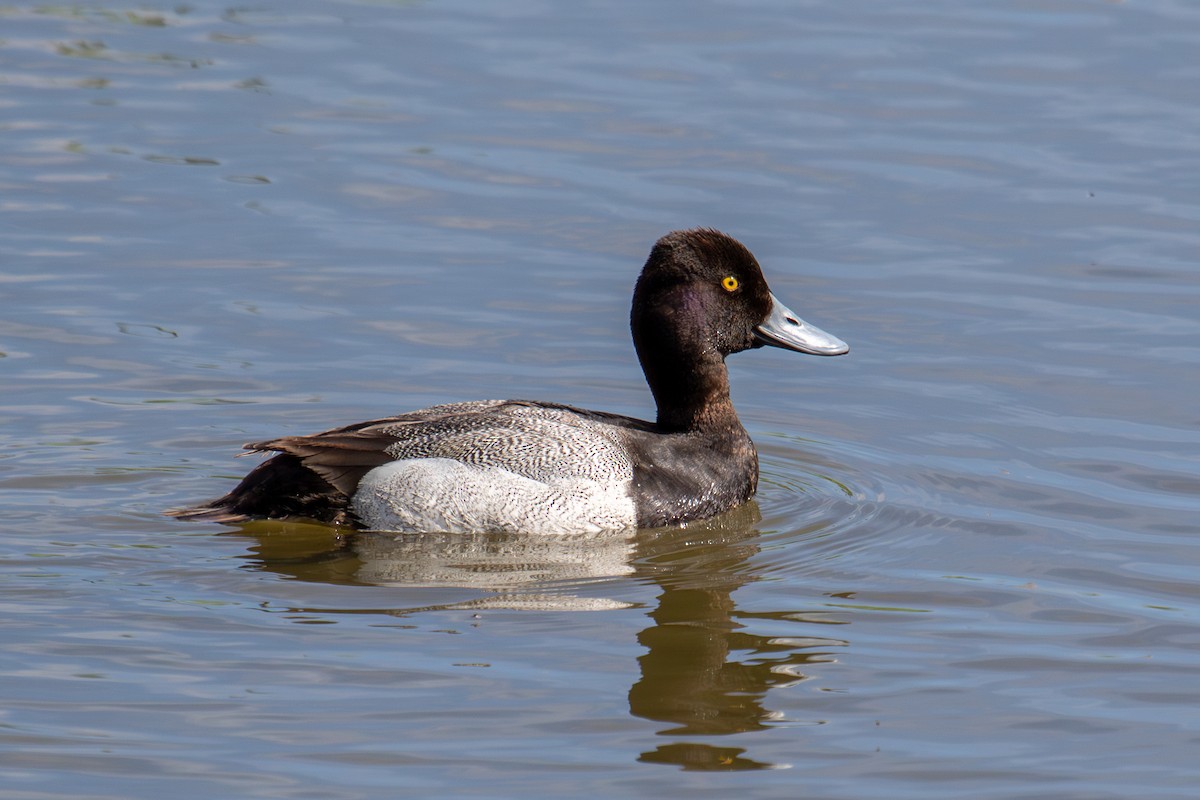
442 494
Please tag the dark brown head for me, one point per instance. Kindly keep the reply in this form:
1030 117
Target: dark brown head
700 297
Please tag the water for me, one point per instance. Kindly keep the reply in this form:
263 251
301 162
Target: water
971 567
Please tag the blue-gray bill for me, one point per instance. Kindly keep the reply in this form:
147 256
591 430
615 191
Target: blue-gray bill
783 328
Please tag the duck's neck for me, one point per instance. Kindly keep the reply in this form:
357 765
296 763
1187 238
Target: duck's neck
682 360
692 394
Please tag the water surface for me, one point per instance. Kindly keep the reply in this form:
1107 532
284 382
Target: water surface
971 567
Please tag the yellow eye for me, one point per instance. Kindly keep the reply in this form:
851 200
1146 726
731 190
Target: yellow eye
730 283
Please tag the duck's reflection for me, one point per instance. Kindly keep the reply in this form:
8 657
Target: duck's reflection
504 570
703 673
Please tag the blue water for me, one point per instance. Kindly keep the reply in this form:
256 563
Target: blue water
971 569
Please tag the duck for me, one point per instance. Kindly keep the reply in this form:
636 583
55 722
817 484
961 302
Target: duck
527 466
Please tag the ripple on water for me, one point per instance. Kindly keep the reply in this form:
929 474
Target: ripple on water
817 508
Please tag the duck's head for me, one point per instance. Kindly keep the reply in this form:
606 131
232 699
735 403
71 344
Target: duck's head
706 289
700 297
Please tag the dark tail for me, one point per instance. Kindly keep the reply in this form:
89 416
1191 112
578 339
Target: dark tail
278 488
